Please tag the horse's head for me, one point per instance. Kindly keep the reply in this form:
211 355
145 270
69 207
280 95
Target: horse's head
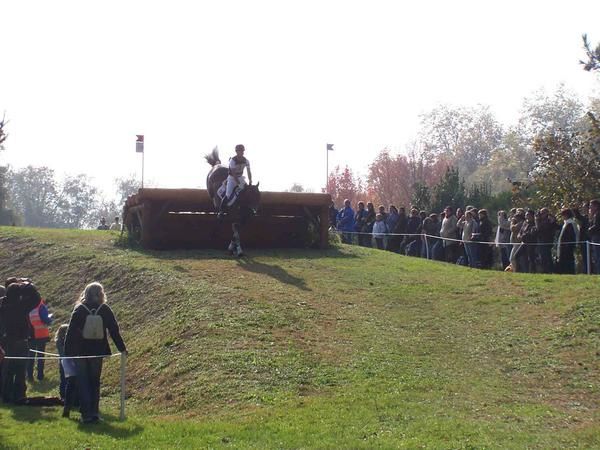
250 196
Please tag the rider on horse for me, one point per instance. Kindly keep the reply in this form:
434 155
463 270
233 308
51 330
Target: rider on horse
236 175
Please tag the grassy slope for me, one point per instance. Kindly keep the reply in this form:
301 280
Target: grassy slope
345 348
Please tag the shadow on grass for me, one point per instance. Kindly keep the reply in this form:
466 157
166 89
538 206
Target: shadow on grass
106 426
110 425
207 254
274 271
31 414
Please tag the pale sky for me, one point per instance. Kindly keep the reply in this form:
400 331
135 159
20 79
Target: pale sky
79 79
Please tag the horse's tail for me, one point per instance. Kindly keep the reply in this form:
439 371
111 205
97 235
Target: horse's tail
213 157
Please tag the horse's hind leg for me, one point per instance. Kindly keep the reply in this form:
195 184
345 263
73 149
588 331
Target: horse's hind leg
236 239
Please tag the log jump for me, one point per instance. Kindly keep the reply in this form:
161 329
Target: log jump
185 218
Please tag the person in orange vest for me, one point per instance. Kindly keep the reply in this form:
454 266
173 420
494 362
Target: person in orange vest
40 335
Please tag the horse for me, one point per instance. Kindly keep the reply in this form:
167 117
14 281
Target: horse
243 205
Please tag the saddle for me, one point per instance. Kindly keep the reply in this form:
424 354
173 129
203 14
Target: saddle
236 192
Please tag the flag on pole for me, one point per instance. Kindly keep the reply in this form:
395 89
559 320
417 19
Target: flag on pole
139 143
330 147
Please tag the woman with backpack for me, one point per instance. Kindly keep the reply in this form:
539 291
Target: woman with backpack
86 336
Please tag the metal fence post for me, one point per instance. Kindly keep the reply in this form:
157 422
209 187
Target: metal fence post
588 257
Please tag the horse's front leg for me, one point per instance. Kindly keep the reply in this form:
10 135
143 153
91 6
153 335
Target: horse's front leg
236 239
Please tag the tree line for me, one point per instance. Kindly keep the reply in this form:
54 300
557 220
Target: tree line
37 197
549 157
463 155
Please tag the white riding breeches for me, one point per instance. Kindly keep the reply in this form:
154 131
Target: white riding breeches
232 183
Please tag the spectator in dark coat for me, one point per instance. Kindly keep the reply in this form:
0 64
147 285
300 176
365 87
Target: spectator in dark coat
400 228
89 370
529 236
565 247
584 223
391 222
381 210
412 243
484 237
21 297
546 228
369 221
360 221
422 250
392 218
103 225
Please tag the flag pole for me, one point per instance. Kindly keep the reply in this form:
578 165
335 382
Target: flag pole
327 169
328 148
139 148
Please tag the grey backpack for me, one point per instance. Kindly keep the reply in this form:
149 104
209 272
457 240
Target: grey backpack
93 328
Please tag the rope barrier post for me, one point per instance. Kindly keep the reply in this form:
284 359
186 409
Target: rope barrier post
123 364
426 245
588 257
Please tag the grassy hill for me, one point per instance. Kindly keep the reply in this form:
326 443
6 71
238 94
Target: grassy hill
345 348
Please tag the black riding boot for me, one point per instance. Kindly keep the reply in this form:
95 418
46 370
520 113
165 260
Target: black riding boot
223 207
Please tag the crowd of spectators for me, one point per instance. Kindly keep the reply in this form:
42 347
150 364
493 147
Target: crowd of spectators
519 240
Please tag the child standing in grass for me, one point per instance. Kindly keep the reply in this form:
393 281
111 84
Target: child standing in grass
379 230
68 372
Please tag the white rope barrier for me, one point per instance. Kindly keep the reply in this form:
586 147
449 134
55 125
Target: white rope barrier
461 240
428 237
51 356
60 357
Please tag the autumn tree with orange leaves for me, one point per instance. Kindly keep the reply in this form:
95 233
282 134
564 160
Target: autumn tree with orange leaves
344 184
